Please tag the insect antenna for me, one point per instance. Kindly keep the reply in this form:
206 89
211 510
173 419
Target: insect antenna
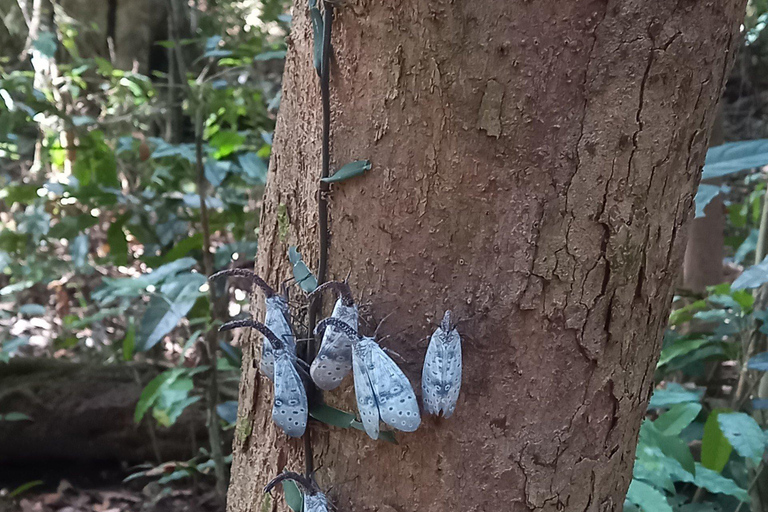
277 343
241 272
342 288
381 323
339 324
302 480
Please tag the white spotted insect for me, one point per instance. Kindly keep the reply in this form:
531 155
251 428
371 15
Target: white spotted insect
276 318
382 390
441 375
334 359
314 499
290 407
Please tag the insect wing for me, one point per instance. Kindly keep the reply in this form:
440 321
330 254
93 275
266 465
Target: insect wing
334 359
366 401
276 320
290 408
267 364
315 502
393 392
441 376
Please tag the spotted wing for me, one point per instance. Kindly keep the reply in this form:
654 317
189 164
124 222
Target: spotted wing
393 392
290 408
441 375
366 401
334 360
276 320
267 364
315 502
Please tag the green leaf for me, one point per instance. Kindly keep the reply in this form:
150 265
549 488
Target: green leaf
685 313
671 446
165 310
216 171
753 277
15 416
704 195
715 482
32 310
227 411
150 393
183 247
680 348
46 43
304 278
747 247
673 394
254 168
715 448
79 250
226 142
274 54
759 362
734 157
679 416
293 496
118 243
744 434
647 498
331 416
24 488
317 36
169 270
349 171
129 342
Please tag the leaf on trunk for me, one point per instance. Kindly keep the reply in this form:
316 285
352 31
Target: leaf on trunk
349 171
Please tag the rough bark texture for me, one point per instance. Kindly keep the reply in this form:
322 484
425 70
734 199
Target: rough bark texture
534 164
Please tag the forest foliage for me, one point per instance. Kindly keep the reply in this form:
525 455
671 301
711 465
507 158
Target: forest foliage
103 247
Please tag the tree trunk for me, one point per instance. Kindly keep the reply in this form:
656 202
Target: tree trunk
534 165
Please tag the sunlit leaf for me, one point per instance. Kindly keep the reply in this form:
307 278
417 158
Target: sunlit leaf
167 308
715 448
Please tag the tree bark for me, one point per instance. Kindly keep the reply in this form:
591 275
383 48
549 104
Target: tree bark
534 166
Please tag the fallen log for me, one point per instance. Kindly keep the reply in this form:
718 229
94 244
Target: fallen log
82 412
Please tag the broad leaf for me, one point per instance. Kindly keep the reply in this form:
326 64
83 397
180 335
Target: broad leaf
753 277
715 448
648 498
679 416
293 496
673 394
704 196
734 157
759 362
744 434
680 348
715 482
166 309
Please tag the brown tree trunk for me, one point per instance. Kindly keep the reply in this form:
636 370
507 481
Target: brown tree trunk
534 164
